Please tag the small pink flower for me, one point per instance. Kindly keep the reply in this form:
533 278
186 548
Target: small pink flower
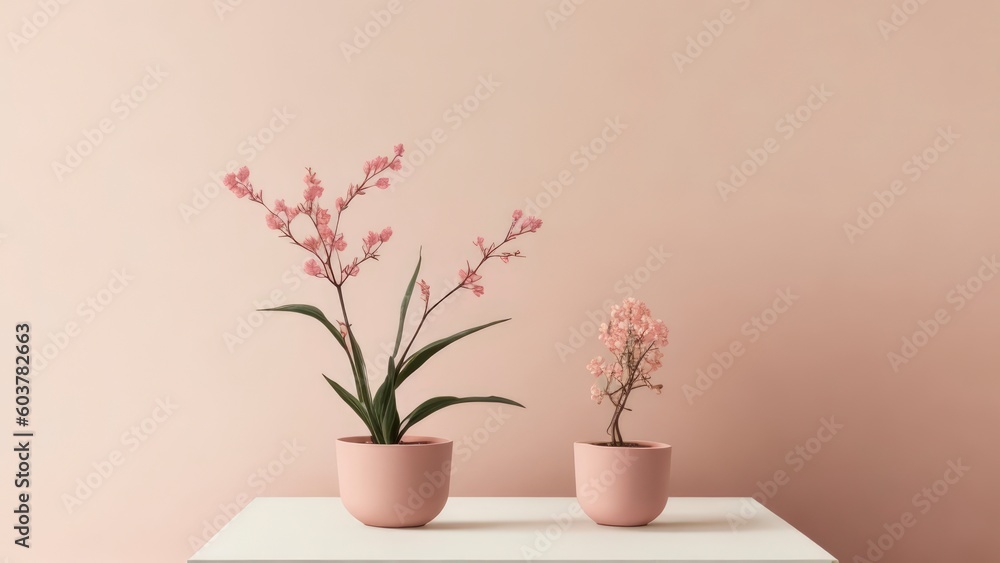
279 206
367 167
351 269
229 180
385 234
382 183
242 174
291 212
596 366
531 224
339 204
339 243
396 164
398 149
470 277
312 192
372 239
596 394
517 214
313 268
425 290
311 244
478 290
325 233
239 190
322 216
478 242
274 222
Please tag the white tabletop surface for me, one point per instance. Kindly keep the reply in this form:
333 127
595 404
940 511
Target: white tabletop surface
495 529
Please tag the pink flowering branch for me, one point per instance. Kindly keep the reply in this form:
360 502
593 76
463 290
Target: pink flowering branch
468 276
634 339
327 243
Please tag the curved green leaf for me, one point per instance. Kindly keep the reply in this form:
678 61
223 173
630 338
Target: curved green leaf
381 399
353 355
315 313
352 402
418 358
361 381
389 418
430 406
406 305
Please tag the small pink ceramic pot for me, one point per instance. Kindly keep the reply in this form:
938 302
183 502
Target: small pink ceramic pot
394 485
619 486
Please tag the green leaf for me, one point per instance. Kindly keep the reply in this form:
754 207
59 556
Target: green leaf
356 360
406 305
382 400
315 313
351 401
389 419
361 382
418 358
430 406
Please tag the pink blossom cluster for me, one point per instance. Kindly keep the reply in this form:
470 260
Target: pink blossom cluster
634 339
519 225
327 242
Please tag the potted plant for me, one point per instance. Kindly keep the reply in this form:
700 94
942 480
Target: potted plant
624 482
387 477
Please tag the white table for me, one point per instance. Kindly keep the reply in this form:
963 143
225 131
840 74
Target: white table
495 529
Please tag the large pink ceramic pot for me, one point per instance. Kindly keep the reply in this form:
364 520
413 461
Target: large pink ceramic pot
397 485
622 486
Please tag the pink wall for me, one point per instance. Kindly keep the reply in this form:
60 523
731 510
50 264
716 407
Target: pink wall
132 269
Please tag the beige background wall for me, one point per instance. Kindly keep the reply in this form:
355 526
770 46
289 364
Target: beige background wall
132 267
